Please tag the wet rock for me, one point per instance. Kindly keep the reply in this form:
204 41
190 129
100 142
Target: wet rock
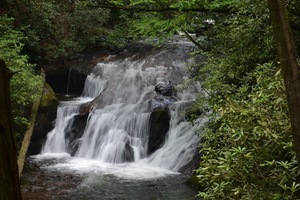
159 127
163 96
166 89
89 106
128 154
86 108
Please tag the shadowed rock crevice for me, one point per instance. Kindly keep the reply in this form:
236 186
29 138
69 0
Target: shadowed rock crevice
158 128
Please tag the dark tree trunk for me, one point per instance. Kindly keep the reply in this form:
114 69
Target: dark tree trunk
288 61
9 177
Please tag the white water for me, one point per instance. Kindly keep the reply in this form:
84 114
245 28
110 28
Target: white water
122 118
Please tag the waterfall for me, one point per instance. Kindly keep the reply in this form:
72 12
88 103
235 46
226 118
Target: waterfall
117 129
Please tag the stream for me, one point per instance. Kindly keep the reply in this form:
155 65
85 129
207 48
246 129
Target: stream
109 155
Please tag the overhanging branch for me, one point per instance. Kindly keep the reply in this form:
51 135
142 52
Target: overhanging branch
165 9
193 40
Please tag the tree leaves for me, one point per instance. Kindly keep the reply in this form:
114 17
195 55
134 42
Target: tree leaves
25 84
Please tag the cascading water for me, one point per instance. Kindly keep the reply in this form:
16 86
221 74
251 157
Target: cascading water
117 128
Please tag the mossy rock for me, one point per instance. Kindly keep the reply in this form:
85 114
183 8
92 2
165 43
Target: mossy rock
48 97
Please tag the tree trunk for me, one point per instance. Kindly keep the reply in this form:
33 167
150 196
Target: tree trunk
9 177
289 67
28 134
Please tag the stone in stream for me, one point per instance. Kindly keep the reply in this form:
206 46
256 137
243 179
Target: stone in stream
166 89
165 95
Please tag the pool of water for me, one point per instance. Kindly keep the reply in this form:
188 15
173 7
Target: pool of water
66 178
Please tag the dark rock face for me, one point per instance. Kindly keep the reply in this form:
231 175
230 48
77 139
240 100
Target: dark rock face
70 82
159 127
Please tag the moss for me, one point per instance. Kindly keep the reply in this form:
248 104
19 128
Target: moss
48 97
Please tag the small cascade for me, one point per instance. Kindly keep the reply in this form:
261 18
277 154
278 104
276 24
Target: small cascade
93 86
117 128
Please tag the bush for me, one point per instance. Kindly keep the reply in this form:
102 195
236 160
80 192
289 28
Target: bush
249 155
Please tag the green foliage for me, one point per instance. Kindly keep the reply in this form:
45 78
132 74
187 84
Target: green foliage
58 29
249 154
155 21
25 84
151 27
246 148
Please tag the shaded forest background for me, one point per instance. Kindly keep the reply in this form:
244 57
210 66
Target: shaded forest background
247 145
